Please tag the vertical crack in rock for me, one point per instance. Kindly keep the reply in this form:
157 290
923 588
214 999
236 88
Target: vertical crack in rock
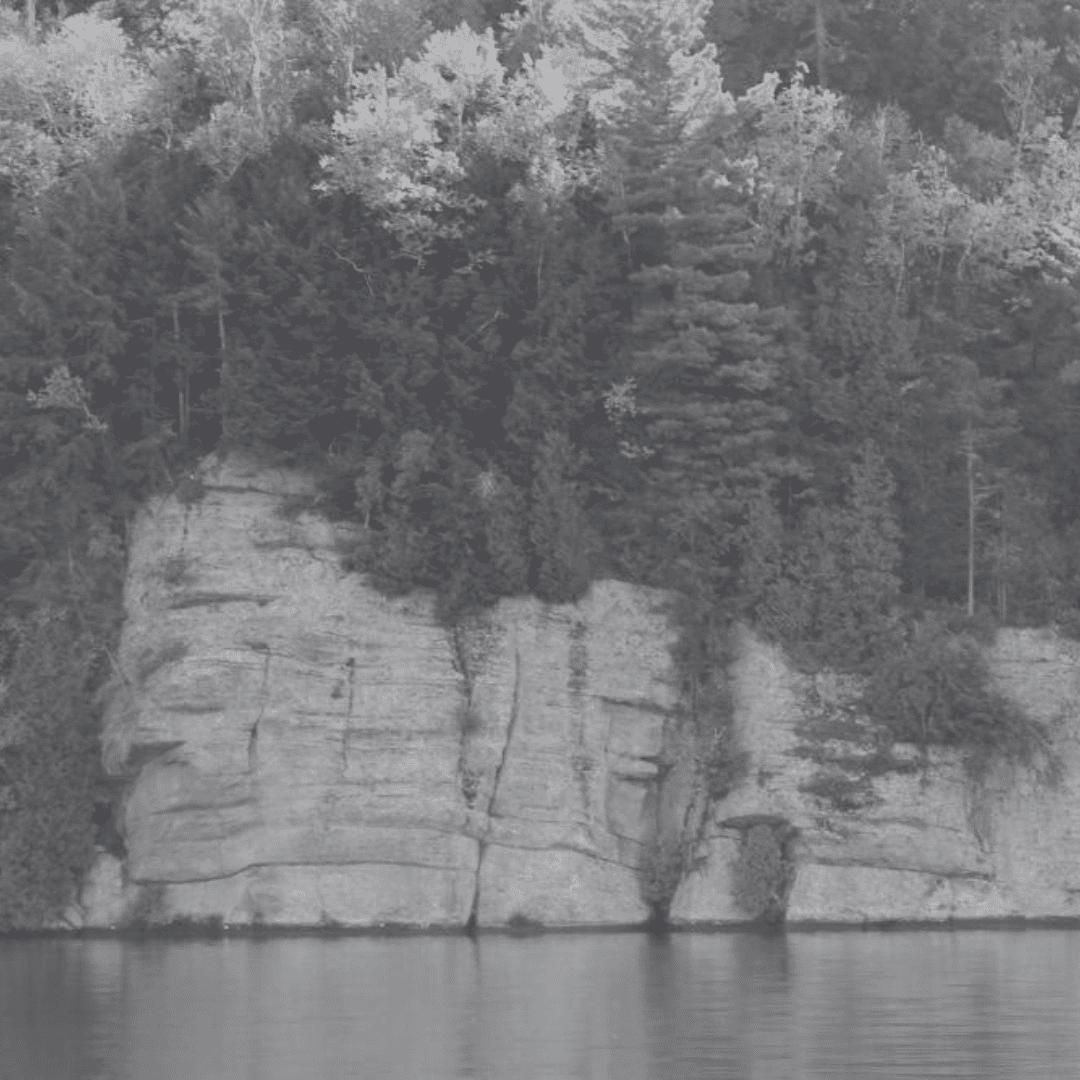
980 815
460 656
350 664
467 780
511 724
509 733
581 762
253 738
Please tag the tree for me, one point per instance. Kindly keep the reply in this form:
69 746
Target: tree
828 586
557 527
249 54
707 359
62 98
1026 555
207 236
1023 81
963 426
923 219
398 145
936 689
798 142
361 35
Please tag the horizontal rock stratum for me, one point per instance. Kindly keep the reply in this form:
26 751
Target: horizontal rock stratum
298 750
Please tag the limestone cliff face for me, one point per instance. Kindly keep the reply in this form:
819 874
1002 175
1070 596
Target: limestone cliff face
299 750
927 845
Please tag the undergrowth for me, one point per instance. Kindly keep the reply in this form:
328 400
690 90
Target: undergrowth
938 690
762 872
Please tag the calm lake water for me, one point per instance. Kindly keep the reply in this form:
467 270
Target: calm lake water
983 1004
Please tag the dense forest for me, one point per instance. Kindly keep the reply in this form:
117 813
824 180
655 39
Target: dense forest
771 302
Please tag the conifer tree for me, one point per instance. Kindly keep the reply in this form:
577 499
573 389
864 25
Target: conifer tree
709 359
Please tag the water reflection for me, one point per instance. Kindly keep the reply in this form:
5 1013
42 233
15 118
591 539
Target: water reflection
984 1005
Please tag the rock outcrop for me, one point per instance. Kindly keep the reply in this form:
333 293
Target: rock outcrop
299 750
918 841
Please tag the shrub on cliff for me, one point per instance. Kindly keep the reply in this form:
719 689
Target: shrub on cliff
761 873
703 653
937 690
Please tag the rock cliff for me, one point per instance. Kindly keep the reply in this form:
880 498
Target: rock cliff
300 750
927 844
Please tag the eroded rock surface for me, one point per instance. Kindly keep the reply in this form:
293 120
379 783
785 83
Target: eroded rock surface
926 844
300 750
304 751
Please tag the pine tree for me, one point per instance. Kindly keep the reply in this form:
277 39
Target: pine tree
708 360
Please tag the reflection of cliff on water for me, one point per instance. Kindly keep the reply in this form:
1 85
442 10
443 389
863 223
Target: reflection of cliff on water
992 1005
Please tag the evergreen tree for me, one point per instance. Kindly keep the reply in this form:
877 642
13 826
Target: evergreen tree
828 585
707 358
557 527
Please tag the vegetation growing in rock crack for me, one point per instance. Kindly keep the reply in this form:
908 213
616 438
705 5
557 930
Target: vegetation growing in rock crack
777 312
761 872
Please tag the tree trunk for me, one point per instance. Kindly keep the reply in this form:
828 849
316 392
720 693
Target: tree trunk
31 14
256 83
185 406
184 388
900 278
1003 561
969 450
821 42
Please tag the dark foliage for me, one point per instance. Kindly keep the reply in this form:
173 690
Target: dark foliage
936 691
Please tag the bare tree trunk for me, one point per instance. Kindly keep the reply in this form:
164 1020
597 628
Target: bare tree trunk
937 276
31 14
256 81
184 388
969 451
821 42
900 277
1003 561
